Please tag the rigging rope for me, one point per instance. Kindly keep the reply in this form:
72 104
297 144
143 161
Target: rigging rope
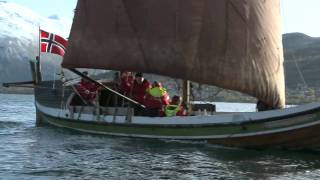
300 72
293 55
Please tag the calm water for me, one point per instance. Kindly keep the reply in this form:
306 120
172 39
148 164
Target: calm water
27 152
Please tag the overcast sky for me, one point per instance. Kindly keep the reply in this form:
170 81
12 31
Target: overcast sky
297 15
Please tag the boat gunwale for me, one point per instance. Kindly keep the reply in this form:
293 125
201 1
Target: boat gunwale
311 111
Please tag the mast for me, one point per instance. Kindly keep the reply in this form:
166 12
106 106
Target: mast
38 65
186 92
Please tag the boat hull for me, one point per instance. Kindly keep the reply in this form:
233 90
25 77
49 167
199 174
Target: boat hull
294 128
300 138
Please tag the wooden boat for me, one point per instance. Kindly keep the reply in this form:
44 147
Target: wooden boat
231 44
291 128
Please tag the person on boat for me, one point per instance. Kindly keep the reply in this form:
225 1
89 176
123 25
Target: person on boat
126 82
86 89
261 106
175 108
139 88
156 98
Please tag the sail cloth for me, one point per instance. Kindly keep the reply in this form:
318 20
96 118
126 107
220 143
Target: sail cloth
234 44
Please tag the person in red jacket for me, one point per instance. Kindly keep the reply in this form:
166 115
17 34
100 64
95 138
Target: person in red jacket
139 88
126 83
86 89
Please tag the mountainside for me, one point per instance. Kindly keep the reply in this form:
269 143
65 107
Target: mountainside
302 60
19 42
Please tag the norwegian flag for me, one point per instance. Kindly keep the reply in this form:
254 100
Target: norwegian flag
52 43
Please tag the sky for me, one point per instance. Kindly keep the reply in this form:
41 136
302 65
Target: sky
301 16
62 8
297 15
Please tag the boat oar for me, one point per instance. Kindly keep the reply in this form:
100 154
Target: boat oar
105 87
79 95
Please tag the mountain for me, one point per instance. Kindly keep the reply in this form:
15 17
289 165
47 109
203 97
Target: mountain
302 60
19 41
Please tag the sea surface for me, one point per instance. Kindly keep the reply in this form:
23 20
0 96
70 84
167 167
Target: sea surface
28 152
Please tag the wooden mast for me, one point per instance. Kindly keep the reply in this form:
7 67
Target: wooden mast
38 65
38 78
186 92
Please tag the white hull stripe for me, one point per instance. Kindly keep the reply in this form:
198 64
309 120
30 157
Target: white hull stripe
195 137
235 118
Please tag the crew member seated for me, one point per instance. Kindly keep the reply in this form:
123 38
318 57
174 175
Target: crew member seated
175 108
261 106
156 98
86 89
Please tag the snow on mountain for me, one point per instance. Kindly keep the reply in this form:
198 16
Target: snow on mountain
19 21
19 41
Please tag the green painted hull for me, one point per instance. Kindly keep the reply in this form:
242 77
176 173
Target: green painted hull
247 135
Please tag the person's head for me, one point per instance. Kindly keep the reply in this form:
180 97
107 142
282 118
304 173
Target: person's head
156 84
86 74
139 77
176 100
116 76
125 74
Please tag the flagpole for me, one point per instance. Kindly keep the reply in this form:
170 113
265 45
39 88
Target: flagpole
38 66
39 42
54 77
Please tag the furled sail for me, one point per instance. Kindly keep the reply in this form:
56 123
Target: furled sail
234 44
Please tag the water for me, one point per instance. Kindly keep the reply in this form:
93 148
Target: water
27 152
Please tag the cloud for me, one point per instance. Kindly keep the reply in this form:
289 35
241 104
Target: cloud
54 17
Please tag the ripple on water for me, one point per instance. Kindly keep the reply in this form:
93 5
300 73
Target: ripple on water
54 153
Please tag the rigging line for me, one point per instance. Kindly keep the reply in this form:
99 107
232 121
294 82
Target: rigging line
293 56
226 36
299 71
204 11
135 31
